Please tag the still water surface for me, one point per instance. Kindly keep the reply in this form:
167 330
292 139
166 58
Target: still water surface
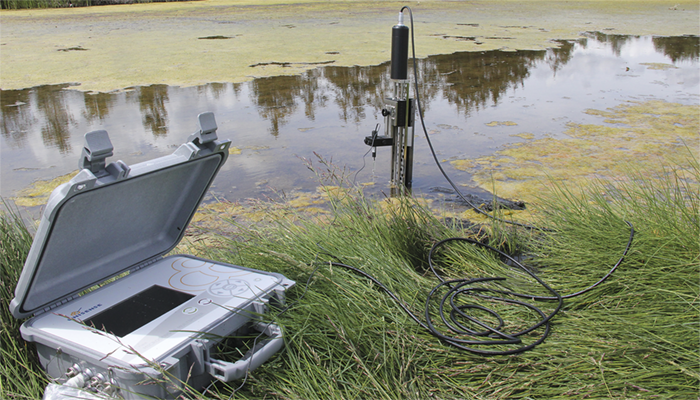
277 121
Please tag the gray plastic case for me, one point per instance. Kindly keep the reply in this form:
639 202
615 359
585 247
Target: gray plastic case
112 220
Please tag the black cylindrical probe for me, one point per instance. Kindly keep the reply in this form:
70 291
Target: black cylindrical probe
399 50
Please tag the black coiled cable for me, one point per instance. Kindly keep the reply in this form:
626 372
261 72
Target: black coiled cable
463 337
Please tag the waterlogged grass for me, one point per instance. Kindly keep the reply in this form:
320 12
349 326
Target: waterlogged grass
633 336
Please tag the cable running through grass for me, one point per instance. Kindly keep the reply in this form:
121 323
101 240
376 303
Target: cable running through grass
458 316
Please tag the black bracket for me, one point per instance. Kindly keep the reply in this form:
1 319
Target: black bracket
378 141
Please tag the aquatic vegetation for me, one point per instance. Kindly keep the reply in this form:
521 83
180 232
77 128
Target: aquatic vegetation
645 134
38 193
160 43
499 123
524 135
659 66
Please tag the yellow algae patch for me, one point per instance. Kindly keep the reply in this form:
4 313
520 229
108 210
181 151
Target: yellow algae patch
161 43
238 150
463 165
257 148
648 135
473 216
223 217
305 200
218 215
659 66
38 193
499 123
333 192
524 135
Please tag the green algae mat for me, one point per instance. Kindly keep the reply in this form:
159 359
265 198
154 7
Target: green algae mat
192 43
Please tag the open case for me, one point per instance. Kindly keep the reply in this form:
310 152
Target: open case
113 315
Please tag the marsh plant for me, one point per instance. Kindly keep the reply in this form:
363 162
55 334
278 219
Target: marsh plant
633 336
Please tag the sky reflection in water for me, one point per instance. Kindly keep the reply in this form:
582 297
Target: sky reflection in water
328 111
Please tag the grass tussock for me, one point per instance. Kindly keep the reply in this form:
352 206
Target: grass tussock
633 336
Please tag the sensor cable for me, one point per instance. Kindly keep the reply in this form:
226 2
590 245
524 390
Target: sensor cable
458 316
430 144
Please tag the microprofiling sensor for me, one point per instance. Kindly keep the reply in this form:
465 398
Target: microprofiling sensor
155 328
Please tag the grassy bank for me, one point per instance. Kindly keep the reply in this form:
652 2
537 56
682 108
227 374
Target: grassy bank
633 336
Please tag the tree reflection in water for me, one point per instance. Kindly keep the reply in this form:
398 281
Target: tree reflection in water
467 80
154 114
52 104
683 48
97 106
467 83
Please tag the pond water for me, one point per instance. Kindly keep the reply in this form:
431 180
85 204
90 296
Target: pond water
474 104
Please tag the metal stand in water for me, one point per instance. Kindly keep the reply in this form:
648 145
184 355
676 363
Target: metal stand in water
398 112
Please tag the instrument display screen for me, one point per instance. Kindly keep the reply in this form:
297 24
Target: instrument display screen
136 311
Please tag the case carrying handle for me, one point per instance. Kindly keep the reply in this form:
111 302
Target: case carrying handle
253 358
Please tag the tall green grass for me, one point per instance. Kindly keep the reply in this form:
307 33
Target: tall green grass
634 336
20 376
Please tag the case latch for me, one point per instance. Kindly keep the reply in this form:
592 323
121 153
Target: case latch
207 129
96 149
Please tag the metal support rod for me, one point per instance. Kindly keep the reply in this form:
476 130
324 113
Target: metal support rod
399 123
398 112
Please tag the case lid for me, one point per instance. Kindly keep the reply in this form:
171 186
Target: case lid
114 218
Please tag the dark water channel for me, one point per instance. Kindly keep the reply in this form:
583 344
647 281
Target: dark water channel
329 110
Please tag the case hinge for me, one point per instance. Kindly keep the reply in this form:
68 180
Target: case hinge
54 305
144 264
